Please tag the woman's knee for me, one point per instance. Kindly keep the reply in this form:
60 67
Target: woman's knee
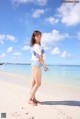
33 82
38 84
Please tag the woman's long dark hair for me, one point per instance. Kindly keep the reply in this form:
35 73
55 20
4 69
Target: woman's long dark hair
35 33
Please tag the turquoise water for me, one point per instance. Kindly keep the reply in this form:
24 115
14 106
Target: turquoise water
68 74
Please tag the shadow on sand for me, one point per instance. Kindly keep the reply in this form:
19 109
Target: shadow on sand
65 102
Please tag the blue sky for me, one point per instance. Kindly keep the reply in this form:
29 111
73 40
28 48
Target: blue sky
59 23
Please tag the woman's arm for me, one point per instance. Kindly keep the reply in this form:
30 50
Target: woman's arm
42 62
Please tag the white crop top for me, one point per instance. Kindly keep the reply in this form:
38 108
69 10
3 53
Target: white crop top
36 51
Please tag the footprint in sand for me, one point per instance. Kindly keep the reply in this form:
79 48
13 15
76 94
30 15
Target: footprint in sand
26 113
31 118
22 108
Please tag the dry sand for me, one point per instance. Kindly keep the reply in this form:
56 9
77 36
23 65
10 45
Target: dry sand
58 101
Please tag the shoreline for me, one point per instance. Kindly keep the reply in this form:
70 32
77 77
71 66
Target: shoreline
50 82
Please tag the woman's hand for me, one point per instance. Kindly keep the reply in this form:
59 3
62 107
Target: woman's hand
42 62
45 68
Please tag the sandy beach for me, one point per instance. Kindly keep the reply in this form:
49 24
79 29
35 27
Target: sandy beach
57 101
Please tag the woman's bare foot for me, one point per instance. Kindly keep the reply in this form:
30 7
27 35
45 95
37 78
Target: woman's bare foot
36 101
32 102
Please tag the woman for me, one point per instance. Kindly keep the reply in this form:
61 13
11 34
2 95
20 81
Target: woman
38 62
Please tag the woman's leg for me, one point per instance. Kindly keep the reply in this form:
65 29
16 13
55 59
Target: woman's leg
33 79
30 100
33 83
37 77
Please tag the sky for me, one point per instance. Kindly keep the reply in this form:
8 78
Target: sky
58 21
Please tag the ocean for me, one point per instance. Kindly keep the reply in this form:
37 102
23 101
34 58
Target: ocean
61 74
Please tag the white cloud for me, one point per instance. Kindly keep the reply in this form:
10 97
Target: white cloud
2 37
52 20
10 49
41 2
69 13
37 13
56 51
64 54
26 48
52 37
3 55
17 54
10 37
38 2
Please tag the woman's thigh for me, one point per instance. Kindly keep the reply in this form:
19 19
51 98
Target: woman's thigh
36 74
